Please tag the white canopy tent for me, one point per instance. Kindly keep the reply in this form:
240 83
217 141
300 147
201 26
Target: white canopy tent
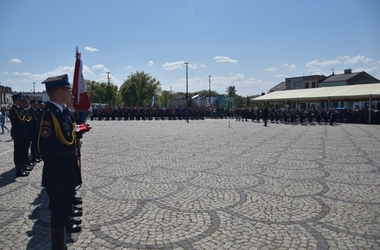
361 92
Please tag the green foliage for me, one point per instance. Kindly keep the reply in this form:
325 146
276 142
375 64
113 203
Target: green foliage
165 98
231 91
294 104
101 92
239 101
247 102
228 104
139 89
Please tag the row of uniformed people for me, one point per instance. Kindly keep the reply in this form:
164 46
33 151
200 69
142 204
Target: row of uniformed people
24 132
147 114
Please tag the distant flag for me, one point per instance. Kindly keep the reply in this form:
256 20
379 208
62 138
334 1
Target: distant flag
152 101
81 100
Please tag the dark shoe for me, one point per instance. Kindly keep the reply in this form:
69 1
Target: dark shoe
77 201
75 221
27 168
22 174
75 213
76 207
72 228
32 164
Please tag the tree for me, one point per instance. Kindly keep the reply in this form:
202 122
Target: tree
165 98
231 91
239 101
139 89
101 92
247 102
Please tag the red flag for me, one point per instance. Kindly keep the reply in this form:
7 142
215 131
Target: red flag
81 100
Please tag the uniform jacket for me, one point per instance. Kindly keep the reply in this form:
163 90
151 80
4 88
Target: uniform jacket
57 145
18 121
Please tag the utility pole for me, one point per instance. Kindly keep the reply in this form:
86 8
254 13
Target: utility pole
108 78
187 93
171 97
209 90
109 86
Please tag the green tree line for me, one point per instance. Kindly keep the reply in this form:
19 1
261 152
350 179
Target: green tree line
139 88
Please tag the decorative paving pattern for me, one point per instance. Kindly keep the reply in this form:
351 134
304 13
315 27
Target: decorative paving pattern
205 185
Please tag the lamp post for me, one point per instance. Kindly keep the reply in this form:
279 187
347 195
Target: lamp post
34 91
171 97
209 90
187 93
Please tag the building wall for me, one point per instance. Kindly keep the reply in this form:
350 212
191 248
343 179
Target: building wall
294 83
362 78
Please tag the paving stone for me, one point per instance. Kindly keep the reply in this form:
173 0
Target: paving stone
208 185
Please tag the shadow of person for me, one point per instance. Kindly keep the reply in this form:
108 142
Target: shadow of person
8 177
40 233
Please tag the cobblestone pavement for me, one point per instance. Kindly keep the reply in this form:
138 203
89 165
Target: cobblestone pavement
205 185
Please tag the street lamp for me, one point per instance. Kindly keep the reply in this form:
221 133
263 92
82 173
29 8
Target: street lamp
209 90
171 97
187 93
34 91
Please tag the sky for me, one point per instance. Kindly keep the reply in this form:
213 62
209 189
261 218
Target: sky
250 44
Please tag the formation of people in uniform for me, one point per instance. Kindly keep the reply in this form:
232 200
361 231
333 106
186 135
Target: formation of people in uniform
273 114
24 132
50 133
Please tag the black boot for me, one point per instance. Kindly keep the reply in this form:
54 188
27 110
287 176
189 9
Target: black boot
72 228
26 167
58 238
20 172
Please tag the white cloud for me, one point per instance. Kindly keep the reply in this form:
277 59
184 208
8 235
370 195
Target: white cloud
173 65
15 60
290 67
270 69
359 59
317 63
282 76
90 49
21 74
224 59
129 67
368 70
100 67
4 73
196 65
150 63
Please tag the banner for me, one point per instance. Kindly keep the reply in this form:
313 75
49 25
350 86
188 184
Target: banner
82 103
152 101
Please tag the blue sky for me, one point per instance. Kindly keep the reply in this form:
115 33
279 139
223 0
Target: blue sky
250 44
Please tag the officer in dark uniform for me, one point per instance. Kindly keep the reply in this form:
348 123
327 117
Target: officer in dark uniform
19 135
35 113
265 116
29 127
56 143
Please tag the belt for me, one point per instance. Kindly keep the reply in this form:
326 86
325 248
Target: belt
66 153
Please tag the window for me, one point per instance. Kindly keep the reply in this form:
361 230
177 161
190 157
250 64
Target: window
306 85
313 84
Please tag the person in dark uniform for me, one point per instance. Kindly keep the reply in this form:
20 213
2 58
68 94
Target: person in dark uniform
56 143
19 135
35 113
265 116
29 129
